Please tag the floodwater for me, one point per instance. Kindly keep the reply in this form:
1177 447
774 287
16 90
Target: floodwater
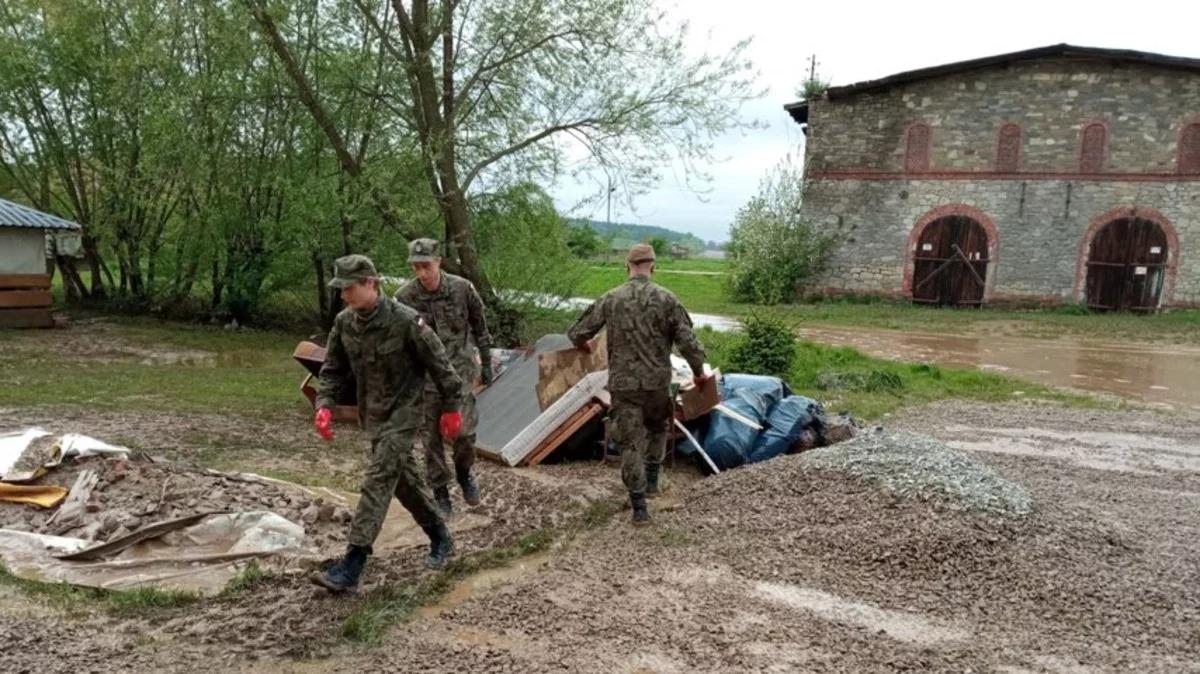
1167 376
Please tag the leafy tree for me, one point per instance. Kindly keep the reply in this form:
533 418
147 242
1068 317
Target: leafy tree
584 242
772 250
497 92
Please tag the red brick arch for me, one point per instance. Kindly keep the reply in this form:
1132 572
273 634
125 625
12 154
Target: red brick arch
924 221
1144 213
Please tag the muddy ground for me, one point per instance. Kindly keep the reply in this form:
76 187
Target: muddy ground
774 567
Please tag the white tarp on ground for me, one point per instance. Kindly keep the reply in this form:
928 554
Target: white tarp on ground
14 445
201 555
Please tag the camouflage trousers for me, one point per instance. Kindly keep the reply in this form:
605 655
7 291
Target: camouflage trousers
640 421
436 468
391 470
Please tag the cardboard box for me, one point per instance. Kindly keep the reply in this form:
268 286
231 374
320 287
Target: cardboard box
696 402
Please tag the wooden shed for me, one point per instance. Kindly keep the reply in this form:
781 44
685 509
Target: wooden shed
25 298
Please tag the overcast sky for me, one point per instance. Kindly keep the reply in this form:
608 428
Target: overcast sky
856 41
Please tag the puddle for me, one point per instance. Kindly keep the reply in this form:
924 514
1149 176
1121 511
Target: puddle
1168 376
485 581
900 625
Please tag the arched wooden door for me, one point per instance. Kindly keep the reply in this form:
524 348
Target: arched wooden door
950 262
1126 266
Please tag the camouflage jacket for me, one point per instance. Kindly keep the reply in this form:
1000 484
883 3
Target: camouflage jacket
455 312
644 320
390 353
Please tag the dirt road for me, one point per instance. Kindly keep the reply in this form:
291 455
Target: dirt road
773 567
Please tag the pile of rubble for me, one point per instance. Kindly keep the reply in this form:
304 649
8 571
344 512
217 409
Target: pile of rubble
551 400
77 510
129 493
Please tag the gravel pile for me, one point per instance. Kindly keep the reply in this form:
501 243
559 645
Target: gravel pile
916 467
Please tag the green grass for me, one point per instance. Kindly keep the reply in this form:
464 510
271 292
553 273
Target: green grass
667 264
221 371
250 578
849 381
123 603
707 294
1180 326
703 294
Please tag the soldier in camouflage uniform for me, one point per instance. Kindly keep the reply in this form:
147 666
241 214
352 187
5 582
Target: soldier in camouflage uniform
391 353
644 320
452 307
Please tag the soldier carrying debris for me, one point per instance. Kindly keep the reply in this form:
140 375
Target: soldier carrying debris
389 350
452 307
644 320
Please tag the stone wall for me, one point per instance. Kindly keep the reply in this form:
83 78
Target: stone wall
855 186
1143 108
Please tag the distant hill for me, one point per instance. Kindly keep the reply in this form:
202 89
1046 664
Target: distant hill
625 234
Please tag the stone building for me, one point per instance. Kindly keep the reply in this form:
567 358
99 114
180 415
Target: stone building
1060 174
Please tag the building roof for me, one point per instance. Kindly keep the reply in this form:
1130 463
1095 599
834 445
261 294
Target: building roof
799 109
16 215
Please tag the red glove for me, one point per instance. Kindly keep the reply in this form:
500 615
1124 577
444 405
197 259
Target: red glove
586 347
451 424
324 423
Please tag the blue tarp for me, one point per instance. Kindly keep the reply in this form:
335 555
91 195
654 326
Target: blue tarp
772 389
785 422
727 440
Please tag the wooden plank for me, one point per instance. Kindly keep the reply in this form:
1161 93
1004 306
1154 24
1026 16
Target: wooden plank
564 433
40 281
25 299
560 435
26 318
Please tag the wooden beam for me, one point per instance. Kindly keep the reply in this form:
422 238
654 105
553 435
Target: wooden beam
564 433
41 281
25 299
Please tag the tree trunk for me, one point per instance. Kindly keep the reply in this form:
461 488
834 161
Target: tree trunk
461 241
217 285
96 263
72 283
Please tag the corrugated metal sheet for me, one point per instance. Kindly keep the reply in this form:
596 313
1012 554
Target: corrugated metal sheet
16 215
508 406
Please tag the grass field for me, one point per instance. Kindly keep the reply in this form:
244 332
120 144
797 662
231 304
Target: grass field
707 294
146 365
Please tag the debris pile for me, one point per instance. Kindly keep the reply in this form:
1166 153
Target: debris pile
126 494
552 400
140 521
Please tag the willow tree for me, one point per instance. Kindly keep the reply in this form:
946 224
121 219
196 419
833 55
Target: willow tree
497 92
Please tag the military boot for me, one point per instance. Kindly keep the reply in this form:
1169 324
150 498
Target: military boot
641 516
652 480
441 498
469 489
441 546
343 576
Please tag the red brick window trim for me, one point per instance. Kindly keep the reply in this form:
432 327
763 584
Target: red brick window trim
1008 148
1189 150
917 147
1093 148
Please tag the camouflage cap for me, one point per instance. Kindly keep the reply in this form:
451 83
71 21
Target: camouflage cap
423 250
351 269
639 253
